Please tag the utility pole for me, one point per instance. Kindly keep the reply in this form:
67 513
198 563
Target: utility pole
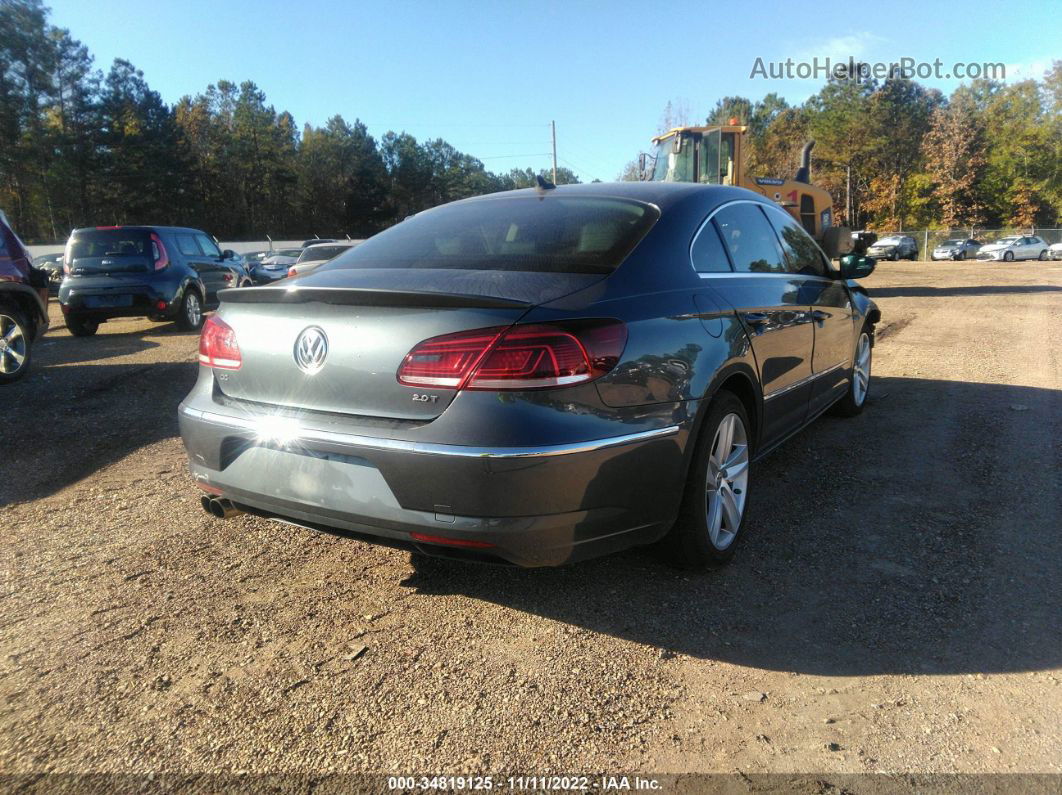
848 197
553 127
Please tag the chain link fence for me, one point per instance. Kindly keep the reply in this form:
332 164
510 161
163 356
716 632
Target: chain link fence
929 239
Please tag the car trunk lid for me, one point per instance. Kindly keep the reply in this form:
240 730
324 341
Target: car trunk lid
369 324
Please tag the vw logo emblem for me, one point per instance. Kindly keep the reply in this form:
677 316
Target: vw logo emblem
311 348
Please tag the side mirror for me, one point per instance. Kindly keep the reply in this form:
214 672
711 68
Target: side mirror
228 254
836 241
856 266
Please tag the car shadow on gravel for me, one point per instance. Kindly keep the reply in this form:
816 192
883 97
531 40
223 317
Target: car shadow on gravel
921 537
67 423
921 291
54 350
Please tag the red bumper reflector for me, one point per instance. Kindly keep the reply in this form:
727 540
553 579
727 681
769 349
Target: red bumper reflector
208 488
452 542
160 305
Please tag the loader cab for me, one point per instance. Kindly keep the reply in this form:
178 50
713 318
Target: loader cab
714 156
708 155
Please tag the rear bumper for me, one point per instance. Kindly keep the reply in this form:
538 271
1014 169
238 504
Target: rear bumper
139 299
532 506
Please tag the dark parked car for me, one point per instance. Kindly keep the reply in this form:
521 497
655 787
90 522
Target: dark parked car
894 247
23 304
52 266
533 376
160 272
957 248
275 265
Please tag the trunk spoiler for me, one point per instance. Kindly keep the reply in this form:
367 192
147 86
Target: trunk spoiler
364 296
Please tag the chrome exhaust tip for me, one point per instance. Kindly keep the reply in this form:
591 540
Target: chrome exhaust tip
219 509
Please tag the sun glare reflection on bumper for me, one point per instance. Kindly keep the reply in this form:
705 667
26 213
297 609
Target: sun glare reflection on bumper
277 430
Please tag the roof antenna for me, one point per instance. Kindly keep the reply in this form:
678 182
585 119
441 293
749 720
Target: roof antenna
542 185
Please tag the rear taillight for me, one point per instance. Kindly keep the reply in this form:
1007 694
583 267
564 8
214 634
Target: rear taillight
162 257
533 356
217 345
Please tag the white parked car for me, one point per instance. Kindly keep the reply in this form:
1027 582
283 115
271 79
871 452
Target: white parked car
1054 251
317 254
1014 247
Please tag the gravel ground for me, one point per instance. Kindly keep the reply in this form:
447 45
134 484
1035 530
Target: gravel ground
896 605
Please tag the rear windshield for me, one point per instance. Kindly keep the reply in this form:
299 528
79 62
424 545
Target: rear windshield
111 243
318 253
551 234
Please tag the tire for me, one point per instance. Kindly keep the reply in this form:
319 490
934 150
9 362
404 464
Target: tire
1043 255
16 346
894 256
81 327
961 257
855 399
190 316
710 522
1008 256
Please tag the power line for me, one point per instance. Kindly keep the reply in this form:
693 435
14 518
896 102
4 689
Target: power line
505 157
580 168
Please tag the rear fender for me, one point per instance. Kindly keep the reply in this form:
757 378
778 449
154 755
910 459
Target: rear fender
740 375
29 301
190 283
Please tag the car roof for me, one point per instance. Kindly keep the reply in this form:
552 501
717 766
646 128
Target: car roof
330 244
141 227
662 194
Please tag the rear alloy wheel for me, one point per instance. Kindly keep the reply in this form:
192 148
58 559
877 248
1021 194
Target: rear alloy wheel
81 327
1043 255
1008 256
14 345
713 506
190 317
859 384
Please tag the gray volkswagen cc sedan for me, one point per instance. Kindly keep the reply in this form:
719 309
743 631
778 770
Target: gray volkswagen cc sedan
533 377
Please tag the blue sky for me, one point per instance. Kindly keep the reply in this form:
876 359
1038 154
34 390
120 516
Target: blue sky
489 77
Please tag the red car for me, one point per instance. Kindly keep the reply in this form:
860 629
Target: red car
23 304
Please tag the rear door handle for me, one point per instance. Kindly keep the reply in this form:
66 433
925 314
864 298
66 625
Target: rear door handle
818 314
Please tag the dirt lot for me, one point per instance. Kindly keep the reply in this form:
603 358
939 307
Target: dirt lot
896 606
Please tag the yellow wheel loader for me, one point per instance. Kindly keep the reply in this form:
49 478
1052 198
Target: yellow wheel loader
713 156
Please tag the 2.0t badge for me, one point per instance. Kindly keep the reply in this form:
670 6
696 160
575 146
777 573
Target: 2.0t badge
311 348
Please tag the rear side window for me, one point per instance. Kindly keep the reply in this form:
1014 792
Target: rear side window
749 239
802 255
186 245
94 243
708 253
551 234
